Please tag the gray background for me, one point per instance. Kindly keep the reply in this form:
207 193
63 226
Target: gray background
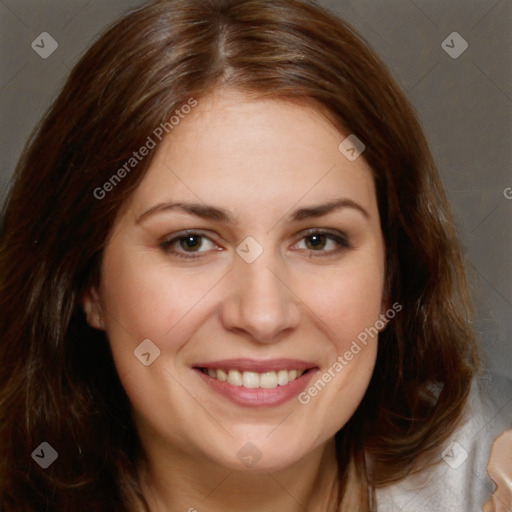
464 105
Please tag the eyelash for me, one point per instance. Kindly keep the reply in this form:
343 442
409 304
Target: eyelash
338 237
167 245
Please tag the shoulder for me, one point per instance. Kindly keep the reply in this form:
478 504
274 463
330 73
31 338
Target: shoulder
458 479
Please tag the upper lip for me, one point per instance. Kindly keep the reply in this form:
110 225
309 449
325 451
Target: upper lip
255 365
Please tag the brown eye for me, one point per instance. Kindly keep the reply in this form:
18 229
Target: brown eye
188 245
322 243
191 243
316 242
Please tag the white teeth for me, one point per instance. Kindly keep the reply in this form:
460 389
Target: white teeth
268 380
235 378
252 380
282 377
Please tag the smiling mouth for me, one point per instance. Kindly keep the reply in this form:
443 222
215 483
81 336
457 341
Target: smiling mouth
253 380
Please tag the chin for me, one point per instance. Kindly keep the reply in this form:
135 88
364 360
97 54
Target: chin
263 452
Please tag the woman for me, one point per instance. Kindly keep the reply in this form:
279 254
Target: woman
229 275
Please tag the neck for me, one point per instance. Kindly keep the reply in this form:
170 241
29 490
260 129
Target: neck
180 483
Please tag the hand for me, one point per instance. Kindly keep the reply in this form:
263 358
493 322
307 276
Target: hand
499 470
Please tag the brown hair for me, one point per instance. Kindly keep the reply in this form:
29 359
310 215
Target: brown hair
57 379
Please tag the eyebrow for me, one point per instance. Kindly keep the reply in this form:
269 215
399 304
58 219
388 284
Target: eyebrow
199 210
218 214
324 209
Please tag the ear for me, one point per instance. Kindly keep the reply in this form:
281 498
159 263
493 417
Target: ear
92 308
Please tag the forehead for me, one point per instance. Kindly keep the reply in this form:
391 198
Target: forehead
254 155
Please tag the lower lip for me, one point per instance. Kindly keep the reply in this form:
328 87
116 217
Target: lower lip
258 397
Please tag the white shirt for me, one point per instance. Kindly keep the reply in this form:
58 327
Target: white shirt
458 482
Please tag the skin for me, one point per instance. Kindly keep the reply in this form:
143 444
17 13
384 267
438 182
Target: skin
499 469
260 160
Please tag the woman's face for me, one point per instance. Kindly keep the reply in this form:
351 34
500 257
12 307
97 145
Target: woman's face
251 256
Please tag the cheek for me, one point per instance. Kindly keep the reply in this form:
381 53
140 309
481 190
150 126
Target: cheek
360 302
349 303
347 300
143 299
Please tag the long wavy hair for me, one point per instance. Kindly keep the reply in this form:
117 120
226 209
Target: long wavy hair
58 383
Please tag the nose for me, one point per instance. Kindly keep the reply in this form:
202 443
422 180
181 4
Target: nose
260 304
